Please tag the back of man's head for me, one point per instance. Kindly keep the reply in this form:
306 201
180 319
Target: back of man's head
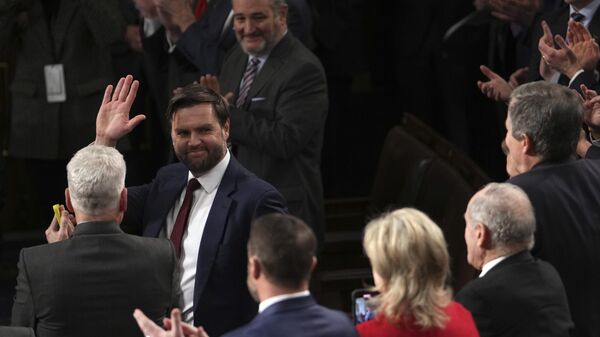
507 213
285 247
550 114
96 177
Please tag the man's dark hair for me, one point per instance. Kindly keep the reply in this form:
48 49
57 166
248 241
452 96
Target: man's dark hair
285 247
194 94
550 114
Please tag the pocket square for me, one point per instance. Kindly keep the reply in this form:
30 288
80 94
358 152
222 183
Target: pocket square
258 99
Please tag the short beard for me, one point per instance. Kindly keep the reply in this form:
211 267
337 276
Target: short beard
198 168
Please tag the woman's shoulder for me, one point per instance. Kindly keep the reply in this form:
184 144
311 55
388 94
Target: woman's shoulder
460 321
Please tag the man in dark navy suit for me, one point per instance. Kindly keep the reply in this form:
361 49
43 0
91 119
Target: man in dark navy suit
281 256
220 202
543 125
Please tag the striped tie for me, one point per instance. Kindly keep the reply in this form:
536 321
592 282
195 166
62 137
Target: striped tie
247 81
576 16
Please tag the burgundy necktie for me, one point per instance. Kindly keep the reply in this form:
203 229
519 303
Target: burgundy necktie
247 81
183 215
200 8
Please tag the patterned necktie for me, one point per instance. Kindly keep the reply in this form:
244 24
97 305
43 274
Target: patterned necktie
576 16
247 81
183 215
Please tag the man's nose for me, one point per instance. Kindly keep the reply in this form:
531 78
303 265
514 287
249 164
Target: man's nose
195 139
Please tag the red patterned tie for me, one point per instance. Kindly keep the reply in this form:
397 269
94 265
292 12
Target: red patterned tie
247 81
184 213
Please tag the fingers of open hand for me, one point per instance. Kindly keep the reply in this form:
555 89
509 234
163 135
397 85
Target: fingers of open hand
488 72
148 327
547 37
176 322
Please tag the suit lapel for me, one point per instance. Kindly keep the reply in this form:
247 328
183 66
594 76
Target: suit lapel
168 195
40 29
594 26
239 61
60 27
214 228
274 63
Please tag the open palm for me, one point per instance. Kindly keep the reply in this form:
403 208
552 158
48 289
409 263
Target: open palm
112 121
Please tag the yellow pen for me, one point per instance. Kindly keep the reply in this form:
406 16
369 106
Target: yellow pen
56 209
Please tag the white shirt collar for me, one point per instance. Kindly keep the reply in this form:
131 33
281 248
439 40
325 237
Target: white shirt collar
276 299
491 264
211 179
588 11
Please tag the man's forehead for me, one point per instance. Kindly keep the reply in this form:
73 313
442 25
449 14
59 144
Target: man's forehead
250 6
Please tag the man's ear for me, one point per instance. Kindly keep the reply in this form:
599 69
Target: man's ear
226 130
68 202
123 200
254 267
483 236
314 264
283 12
527 144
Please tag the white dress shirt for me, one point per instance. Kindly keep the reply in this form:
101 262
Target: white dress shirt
190 246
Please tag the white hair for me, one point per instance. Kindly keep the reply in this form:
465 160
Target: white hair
96 177
507 212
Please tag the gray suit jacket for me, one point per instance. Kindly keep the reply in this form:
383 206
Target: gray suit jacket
278 132
79 39
90 284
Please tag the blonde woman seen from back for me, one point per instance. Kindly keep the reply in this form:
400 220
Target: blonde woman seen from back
410 266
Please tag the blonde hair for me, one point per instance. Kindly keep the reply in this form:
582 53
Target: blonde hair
409 253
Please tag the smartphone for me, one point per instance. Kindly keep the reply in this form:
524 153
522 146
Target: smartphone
362 310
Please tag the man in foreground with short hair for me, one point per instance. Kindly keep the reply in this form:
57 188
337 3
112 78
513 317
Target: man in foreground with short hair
89 284
543 125
281 257
515 294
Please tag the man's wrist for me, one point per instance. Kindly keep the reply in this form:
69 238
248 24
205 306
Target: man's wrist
105 141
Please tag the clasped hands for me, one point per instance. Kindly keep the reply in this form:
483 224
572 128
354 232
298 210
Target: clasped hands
581 52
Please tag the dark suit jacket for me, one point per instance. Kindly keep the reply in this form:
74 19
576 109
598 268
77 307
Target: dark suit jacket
566 199
221 298
520 296
79 39
15 331
278 132
297 317
558 21
90 284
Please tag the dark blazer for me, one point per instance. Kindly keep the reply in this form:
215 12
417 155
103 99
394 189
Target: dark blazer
80 39
221 298
566 199
558 21
520 296
278 132
297 317
90 284
16 331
